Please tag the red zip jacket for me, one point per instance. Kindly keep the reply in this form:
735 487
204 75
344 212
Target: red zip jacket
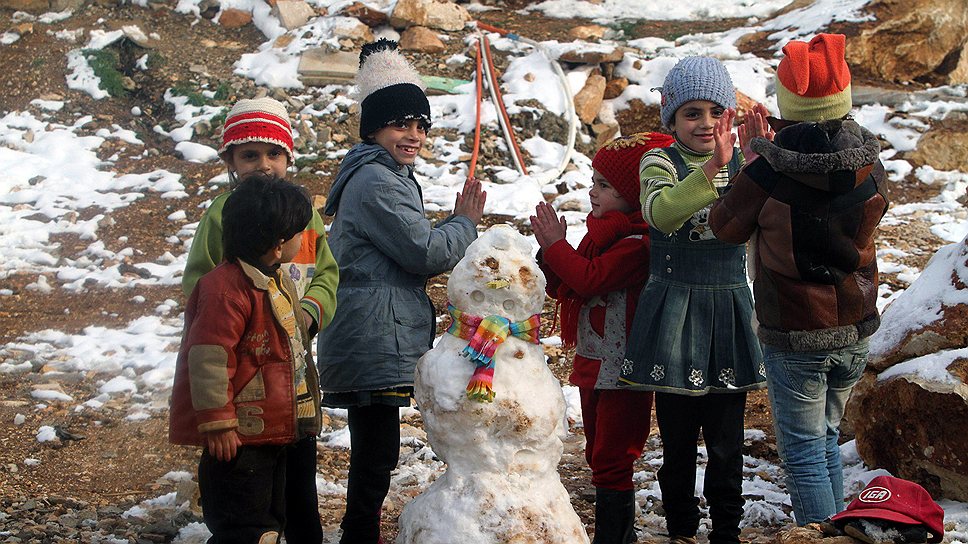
236 365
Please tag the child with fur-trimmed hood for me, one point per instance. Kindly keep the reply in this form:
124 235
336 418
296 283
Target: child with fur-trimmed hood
811 202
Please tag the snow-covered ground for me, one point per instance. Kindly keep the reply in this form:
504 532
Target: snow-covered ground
50 173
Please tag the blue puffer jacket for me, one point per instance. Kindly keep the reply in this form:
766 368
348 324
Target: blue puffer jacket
386 249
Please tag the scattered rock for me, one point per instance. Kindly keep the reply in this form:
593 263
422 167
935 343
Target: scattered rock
365 14
587 32
49 386
810 534
352 29
615 87
293 13
421 39
604 132
588 101
586 55
439 14
322 67
234 18
129 269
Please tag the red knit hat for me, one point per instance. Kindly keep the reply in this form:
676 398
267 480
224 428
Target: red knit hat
257 120
813 80
893 499
618 161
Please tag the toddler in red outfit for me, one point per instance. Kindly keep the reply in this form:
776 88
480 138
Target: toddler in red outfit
597 286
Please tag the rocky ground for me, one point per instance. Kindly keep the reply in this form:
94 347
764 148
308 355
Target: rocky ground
102 463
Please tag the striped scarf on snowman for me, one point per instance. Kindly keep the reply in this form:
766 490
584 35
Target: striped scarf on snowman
484 336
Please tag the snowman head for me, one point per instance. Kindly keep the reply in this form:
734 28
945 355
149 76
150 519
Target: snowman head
498 276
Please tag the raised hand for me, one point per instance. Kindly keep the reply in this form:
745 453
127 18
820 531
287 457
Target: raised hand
470 201
756 126
725 140
547 226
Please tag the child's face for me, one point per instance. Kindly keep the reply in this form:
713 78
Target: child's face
403 139
290 248
262 157
605 198
284 252
693 124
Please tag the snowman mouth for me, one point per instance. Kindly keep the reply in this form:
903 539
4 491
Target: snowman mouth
499 283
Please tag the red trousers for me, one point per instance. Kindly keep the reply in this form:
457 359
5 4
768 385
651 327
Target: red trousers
616 428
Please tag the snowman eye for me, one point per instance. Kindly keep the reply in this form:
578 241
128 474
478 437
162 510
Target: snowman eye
477 296
508 305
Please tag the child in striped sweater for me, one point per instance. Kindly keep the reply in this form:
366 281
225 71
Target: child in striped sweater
692 340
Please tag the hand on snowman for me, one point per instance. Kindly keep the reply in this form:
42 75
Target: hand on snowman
547 226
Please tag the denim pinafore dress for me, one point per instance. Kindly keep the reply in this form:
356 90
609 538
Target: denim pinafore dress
692 333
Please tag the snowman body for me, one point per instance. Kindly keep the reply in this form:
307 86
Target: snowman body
501 484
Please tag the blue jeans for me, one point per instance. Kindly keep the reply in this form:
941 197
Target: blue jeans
808 391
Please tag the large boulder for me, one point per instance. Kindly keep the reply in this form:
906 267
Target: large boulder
913 40
912 421
943 148
930 316
909 412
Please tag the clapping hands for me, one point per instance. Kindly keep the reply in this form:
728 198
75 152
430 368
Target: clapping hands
547 226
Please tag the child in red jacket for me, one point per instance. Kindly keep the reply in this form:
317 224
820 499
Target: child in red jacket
598 286
245 385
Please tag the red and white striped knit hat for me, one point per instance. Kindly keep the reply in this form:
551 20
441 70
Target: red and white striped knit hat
257 120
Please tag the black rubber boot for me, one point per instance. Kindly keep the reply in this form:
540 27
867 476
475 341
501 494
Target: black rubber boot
614 517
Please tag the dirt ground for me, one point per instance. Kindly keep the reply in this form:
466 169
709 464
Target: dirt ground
104 459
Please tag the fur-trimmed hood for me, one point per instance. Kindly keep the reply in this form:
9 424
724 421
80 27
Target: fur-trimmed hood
832 156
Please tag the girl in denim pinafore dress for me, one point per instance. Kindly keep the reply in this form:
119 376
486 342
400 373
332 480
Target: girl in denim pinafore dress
692 340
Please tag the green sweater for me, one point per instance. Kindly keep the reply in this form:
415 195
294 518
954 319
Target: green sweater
667 201
313 269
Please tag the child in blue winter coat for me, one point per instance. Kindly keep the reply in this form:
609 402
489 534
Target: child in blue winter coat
386 249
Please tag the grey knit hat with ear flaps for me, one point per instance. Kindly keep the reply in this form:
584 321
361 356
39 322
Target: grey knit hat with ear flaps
696 78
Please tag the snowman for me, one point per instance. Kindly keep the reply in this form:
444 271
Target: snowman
492 410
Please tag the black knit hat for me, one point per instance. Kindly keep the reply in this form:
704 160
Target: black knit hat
388 87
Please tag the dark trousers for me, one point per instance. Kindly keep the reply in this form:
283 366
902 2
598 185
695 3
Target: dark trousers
302 502
243 499
374 452
616 428
720 418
